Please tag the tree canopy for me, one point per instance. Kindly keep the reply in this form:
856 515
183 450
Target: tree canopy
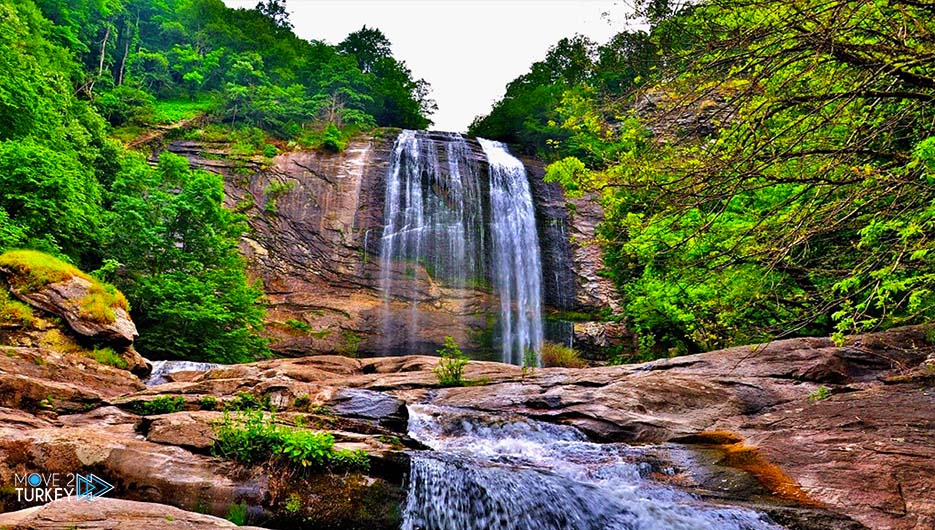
766 167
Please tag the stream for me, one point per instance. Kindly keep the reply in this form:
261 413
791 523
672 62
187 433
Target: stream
512 473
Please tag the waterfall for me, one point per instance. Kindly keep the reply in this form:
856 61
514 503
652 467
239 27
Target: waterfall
517 267
435 238
493 472
434 230
162 369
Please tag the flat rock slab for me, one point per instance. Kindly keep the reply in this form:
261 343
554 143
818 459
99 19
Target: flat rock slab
111 514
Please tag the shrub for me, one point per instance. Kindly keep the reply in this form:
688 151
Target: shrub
109 357
820 394
450 369
247 401
332 140
208 403
254 437
561 356
159 405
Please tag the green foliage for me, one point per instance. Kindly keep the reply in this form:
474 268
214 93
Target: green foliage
192 298
208 403
820 394
13 311
561 356
246 401
276 190
752 188
170 111
254 437
109 357
450 369
350 344
299 326
159 405
237 514
331 139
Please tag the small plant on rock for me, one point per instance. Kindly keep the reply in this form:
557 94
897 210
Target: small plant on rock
159 405
820 394
450 369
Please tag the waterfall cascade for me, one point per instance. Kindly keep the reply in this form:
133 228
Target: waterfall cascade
446 218
501 473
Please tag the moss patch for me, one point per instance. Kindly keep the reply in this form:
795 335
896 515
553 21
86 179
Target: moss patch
33 270
13 311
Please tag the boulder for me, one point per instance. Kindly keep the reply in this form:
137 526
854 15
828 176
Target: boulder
110 514
63 299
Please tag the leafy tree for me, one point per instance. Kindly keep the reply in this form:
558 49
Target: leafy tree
191 298
275 10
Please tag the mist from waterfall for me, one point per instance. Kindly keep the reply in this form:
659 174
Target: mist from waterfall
445 230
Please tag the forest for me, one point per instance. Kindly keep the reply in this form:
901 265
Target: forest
76 78
766 168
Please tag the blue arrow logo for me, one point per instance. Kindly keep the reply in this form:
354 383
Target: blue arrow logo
90 486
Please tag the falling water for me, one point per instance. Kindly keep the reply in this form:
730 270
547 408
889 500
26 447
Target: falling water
517 268
162 369
502 473
433 224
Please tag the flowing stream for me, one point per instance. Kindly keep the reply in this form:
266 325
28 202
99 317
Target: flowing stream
497 473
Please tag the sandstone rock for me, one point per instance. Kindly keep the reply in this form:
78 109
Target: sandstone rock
63 299
110 514
378 407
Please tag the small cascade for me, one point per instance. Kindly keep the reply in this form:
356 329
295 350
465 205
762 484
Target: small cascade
161 369
517 266
512 473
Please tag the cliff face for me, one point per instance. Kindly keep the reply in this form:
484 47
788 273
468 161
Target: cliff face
316 221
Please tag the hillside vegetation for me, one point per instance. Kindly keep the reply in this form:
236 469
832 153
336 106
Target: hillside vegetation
72 72
766 167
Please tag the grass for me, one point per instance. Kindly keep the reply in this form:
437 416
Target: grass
33 270
560 356
208 403
169 111
13 311
237 514
109 357
159 405
254 438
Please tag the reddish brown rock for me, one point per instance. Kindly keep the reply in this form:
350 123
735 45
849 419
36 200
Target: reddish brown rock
110 514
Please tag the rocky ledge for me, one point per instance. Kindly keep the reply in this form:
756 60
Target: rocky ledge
819 435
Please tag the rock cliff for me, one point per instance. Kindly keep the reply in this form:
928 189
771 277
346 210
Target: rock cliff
316 220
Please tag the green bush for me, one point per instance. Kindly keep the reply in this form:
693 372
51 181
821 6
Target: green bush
332 140
208 403
254 437
237 514
109 357
450 369
159 405
247 401
561 356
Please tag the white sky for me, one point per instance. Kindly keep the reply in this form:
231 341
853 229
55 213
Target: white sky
467 50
